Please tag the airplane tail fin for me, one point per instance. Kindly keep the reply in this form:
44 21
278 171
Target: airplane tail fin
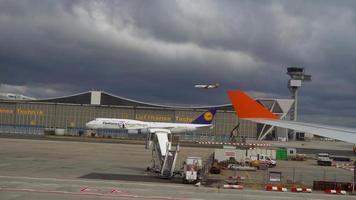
205 118
246 107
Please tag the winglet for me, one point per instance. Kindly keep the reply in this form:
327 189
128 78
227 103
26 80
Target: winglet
246 107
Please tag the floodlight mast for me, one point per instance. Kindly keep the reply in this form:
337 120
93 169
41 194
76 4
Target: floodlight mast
297 76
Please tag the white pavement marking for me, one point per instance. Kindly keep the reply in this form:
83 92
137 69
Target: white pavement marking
87 194
150 184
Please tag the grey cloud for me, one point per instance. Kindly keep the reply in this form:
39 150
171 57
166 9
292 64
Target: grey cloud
38 91
157 50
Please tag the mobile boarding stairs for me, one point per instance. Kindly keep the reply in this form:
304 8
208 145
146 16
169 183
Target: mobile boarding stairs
164 156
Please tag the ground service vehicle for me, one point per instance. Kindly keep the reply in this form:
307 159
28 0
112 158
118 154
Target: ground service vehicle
192 169
324 159
264 160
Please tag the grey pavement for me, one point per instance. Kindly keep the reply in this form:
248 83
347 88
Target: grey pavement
44 169
49 188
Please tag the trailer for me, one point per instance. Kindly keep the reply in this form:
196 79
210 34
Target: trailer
241 155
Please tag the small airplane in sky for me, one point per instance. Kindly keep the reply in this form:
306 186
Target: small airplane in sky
207 86
203 121
248 109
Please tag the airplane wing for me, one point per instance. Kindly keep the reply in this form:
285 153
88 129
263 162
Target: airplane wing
334 132
248 109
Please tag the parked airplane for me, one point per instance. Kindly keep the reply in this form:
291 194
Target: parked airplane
203 121
207 86
248 109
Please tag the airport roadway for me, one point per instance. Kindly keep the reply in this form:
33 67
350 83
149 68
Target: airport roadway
45 169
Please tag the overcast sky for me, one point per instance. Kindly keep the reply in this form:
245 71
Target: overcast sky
156 51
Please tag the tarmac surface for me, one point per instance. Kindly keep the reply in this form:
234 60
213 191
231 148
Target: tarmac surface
55 188
45 169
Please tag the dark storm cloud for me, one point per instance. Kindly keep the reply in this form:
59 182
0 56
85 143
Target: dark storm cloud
157 50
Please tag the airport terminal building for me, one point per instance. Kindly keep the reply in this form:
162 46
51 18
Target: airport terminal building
71 113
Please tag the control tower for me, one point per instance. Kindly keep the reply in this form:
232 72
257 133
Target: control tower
297 76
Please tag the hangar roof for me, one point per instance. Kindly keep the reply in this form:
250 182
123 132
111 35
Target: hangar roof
105 98
279 106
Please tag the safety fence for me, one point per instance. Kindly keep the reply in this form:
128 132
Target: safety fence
22 130
295 177
201 137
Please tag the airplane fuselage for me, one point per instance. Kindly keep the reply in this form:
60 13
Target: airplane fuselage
129 124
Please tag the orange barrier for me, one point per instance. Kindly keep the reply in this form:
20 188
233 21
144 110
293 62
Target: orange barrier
330 191
299 189
276 188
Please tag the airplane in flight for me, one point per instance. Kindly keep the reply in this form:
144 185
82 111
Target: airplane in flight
248 109
207 86
203 121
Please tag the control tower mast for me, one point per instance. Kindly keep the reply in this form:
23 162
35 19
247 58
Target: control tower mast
297 76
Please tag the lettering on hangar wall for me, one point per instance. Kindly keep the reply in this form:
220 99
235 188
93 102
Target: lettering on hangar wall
21 111
143 117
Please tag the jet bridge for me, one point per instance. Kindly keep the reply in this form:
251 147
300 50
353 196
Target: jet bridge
164 157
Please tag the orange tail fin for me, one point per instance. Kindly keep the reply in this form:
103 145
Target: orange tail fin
246 107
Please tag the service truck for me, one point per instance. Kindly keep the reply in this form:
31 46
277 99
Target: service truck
264 160
192 170
324 159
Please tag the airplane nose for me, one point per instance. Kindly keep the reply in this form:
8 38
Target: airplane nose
90 125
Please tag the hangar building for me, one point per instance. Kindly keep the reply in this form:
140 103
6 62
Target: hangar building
72 112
